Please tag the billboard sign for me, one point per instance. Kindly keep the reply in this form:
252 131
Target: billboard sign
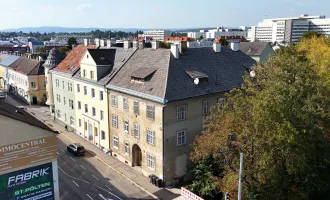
34 183
26 153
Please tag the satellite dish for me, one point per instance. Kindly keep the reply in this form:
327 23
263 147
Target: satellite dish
196 81
252 74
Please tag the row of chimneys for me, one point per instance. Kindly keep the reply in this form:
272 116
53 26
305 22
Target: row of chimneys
176 49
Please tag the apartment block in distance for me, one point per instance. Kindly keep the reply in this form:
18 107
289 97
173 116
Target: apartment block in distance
289 29
158 35
159 98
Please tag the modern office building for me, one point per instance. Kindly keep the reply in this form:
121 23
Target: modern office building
288 30
219 31
158 35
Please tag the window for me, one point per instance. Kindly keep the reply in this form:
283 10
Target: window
151 161
93 111
79 122
101 96
115 142
79 105
70 87
126 148
63 84
150 112
71 121
102 135
181 113
181 137
115 121
78 88
45 83
64 102
206 107
65 117
136 108
71 104
85 90
126 126
151 137
57 83
101 114
33 84
136 130
59 114
114 100
93 92
59 98
125 103
84 73
86 108
92 75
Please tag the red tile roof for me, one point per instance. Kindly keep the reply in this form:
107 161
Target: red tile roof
72 60
176 39
232 38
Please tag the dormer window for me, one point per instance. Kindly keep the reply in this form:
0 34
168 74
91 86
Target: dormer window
196 75
92 75
143 74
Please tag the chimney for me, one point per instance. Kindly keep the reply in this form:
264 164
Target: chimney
97 42
183 47
135 44
102 43
175 50
126 44
109 44
217 46
234 46
155 44
141 44
86 42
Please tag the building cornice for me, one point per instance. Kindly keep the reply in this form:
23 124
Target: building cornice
137 94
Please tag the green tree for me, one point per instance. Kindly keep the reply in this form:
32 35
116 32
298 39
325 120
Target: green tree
72 41
309 35
64 51
223 42
41 49
201 37
280 121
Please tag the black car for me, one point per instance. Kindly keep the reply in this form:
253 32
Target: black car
76 148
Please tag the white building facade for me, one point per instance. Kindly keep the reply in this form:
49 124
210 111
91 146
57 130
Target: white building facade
219 31
158 35
288 30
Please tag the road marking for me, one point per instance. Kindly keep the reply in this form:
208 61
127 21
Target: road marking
83 167
75 183
103 197
118 172
72 176
72 159
89 196
57 153
107 192
108 187
95 177
62 150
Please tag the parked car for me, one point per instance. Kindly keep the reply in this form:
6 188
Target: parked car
76 149
3 95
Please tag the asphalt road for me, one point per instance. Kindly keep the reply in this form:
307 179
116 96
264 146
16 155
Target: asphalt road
88 178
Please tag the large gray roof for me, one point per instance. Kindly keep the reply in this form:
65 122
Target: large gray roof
120 57
253 48
172 82
28 66
9 60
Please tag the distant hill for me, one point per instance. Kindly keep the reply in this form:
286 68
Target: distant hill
58 29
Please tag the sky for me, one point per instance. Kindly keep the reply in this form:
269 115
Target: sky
152 13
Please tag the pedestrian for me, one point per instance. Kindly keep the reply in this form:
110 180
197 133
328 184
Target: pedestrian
66 127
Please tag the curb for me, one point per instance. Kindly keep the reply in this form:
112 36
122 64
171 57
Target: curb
118 172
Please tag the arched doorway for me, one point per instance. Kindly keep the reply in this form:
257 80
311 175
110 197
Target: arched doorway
137 155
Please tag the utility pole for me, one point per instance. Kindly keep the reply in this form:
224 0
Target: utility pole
240 177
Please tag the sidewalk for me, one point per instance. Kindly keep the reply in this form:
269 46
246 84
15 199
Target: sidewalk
121 168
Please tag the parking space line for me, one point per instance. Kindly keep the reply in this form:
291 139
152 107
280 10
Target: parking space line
95 177
83 167
72 159
75 183
89 196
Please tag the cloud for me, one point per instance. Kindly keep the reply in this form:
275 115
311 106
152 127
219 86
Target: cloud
84 7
